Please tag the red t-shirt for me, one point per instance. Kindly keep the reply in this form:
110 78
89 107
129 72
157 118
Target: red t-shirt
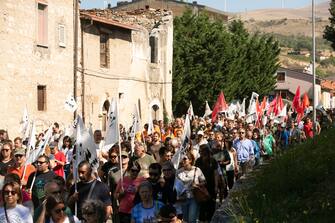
59 169
130 187
308 130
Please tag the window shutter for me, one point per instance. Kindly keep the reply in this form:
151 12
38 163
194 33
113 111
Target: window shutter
61 35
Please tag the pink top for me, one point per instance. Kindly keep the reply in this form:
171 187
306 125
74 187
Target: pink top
130 188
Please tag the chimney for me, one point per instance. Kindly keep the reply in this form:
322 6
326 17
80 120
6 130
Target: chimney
195 3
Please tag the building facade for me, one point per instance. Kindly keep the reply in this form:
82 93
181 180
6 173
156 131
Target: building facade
36 62
126 57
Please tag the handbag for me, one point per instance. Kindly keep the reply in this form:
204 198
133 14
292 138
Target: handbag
200 191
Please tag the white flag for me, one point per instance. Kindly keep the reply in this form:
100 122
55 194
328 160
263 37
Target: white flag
24 124
32 140
253 99
112 132
208 110
190 111
241 111
283 112
70 104
136 122
86 149
33 155
150 122
185 141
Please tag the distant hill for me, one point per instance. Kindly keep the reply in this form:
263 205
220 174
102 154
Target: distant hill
321 11
293 29
286 21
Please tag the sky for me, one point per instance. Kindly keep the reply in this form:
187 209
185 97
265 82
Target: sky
229 5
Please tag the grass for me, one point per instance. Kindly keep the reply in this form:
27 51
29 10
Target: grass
298 186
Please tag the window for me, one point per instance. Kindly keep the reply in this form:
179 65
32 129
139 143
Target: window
41 97
280 76
42 38
104 50
105 109
153 42
61 35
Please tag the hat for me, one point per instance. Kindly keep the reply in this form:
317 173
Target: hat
53 145
20 151
200 132
124 153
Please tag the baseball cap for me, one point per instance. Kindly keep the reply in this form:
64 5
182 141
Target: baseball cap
124 153
53 145
20 151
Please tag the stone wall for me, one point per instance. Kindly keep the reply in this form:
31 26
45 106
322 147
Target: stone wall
24 65
130 78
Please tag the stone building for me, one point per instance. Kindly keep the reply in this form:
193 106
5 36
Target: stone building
177 7
126 56
36 61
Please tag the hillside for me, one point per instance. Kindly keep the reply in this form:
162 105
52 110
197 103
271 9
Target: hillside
293 29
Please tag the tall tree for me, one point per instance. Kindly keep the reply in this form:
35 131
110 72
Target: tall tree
210 57
329 32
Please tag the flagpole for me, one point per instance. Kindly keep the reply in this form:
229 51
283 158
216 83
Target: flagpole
313 66
119 141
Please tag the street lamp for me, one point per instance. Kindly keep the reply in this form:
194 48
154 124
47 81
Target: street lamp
313 70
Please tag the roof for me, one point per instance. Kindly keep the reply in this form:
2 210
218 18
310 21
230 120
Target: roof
92 16
297 72
130 19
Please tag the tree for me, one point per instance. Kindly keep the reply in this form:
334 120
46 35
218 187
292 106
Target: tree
210 57
329 32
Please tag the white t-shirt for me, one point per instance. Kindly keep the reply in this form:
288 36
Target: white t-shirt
187 176
19 214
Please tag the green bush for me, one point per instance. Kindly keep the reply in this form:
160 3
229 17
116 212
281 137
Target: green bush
297 187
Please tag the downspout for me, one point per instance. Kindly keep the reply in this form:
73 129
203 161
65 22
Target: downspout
75 54
83 69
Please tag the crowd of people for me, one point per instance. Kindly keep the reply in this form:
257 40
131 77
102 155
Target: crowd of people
141 184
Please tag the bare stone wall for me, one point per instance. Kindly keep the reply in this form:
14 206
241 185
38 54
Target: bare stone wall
24 65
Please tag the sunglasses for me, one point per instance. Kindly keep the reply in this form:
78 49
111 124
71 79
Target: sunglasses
113 157
18 156
40 162
185 158
124 157
56 192
7 192
242 132
88 213
6 150
167 170
57 211
153 174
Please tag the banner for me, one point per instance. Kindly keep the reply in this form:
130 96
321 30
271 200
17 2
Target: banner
70 104
112 132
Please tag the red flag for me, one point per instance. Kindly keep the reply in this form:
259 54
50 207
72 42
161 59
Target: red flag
220 105
296 100
305 101
280 103
273 105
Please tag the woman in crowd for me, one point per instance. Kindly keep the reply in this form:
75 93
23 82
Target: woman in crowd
67 149
6 157
147 210
93 211
13 210
126 190
190 176
232 167
209 167
269 143
55 211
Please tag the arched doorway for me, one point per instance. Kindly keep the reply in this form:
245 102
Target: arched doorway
105 108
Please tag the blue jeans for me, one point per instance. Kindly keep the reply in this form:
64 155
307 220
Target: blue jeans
190 210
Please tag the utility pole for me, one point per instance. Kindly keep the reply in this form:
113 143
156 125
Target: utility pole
282 4
313 66
75 51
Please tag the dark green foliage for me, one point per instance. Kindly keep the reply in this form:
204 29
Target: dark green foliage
300 42
209 58
296 187
329 32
